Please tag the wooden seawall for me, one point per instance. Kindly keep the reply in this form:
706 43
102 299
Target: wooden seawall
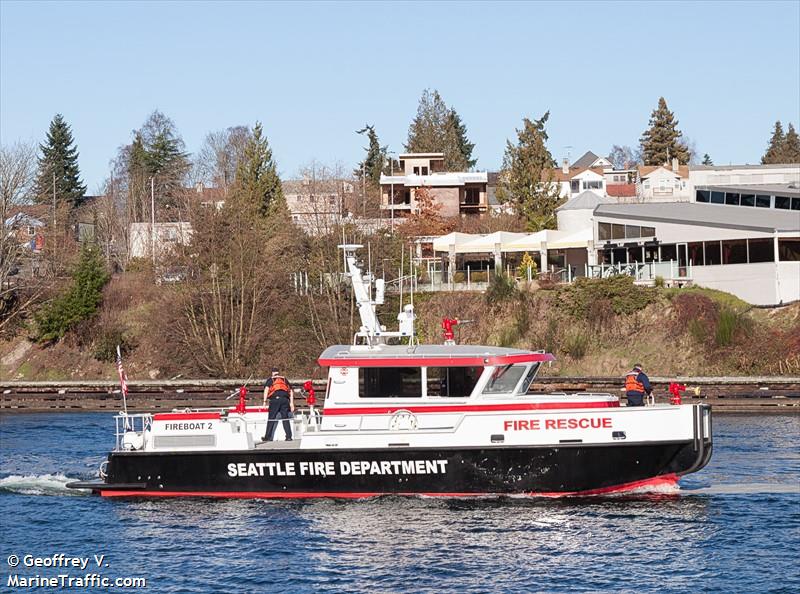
726 394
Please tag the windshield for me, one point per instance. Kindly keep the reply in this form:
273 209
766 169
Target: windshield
504 379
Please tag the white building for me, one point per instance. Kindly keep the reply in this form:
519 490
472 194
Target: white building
753 253
663 183
143 238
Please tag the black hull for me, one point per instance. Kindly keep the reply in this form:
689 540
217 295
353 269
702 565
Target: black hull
553 470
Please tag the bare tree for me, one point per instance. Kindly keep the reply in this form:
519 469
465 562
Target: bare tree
17 174
216 163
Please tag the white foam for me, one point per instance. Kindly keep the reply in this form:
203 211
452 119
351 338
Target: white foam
39 484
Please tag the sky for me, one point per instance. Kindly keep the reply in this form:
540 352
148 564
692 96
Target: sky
314 73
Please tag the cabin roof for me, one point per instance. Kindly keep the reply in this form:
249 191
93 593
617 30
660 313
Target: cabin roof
426 356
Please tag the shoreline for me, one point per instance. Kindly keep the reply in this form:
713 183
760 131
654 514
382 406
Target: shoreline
779 395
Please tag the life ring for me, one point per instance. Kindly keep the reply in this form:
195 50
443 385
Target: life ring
102 470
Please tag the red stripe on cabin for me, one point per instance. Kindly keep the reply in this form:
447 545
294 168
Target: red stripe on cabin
665 480
187 416
445 408
412 361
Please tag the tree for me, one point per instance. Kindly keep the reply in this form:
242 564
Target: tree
791 146
622 157
257 178
219 158
426 220
527 180
375 159
58 165
79 302
774 152
661 141
438 128
707 159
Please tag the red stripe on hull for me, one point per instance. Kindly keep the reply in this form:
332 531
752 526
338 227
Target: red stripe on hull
387 410
411 361
665 480
188 416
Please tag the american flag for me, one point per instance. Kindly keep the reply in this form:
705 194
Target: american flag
123 380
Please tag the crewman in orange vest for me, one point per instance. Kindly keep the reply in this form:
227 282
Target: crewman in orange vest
637 384
278 391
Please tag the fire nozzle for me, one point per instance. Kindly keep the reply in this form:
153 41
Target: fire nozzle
447 326
242 404
677 391
311 399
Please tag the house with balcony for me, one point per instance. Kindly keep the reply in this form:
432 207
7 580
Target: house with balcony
457 193
663 183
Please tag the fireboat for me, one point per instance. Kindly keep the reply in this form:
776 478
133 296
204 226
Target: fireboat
402 418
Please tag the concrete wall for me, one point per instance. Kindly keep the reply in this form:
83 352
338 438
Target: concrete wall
788 281
447 198
754 283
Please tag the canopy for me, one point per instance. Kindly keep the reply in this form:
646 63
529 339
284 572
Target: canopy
577 239
456 239
487 243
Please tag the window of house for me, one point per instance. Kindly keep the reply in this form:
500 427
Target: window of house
651 253
593 185
748 200
605 257
647 184
795 203
617 231
390 382
472 196
633 231
762 201
761 250
424 171
782 202
407 197
703 196
696 253
648 231
504 379
452 381
668 252
713 253
734 251
619 256
575 186
636 254
717 197
31 231
732 198
603 231
789 250
416 170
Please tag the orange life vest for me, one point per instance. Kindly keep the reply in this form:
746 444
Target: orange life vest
632 383
278 383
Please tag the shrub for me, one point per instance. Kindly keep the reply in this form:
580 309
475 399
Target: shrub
78 303
576 344
104 347
620 291
659 282
729 324
501 288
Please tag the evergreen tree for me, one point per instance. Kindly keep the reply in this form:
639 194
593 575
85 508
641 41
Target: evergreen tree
59 158
791 146
375 160
774 153
527 179
79 302
438 129
257 180
660 143
707 159
462 144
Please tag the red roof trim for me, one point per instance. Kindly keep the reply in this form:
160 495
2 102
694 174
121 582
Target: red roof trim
454 361
187 416
446 408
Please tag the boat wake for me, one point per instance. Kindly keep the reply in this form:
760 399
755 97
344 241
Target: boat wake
745 489
39 484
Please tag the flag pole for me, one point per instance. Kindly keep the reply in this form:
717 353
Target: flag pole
123 385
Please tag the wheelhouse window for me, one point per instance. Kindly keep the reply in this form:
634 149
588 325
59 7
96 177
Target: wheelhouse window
504 379
390 382
452 381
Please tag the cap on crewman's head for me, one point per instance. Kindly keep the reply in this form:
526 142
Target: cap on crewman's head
637 366
274 370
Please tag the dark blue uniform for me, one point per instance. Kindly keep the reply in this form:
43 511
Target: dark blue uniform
279 408
637 384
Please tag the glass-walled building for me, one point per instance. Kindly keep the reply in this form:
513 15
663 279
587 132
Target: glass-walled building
753 253
778 197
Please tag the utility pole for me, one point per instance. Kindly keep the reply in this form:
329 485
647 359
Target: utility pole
364 188
153 221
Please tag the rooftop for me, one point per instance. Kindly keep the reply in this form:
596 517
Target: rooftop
746 166
436 179
705 215
586 200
